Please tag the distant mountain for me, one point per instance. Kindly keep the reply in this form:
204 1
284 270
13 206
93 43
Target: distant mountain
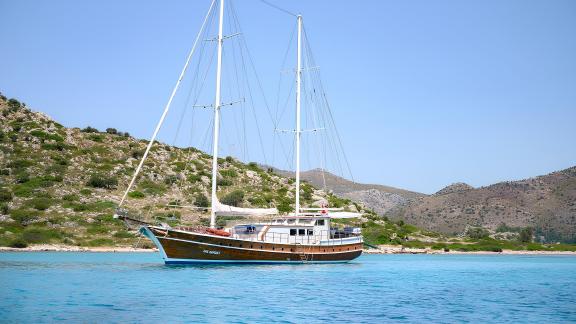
455 187
546 203
377 197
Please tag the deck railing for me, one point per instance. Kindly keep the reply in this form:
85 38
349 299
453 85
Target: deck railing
324 237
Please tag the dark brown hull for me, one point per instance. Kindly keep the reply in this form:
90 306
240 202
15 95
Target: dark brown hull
179 247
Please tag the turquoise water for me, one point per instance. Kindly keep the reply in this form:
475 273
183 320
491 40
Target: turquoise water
133 287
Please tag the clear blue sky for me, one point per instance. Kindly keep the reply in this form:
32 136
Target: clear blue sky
426 93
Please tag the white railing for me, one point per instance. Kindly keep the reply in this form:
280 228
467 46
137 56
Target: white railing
323 237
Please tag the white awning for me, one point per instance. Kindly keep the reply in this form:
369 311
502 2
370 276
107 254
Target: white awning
225 210
344 215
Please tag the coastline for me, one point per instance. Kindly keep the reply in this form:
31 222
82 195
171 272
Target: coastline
382 249
67 248
395 249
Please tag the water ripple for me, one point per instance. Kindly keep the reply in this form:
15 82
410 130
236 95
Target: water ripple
125 287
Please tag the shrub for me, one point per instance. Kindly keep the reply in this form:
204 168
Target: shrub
284 206
38 235
5 195
46 136
170 179
19 164
54 147
136 194
22 177
152 188
112 131
123 234
96 138
19 243
477 233
14 104
201 200
137 154
90 130
85 192
23 215
70 197
526 235
4 209
234 198
100 242
41 203
228 173
96 229
23 191
229 159
224 182
253 166
102 181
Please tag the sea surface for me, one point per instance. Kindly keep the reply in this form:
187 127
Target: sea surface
138 287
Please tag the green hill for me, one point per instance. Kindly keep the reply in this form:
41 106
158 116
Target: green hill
61 185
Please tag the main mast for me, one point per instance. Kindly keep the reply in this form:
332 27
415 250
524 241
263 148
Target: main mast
298 130
217 104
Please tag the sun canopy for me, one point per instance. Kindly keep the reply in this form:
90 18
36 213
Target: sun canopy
344 215
225 210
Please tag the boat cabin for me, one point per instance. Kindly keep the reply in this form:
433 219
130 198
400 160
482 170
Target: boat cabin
301 229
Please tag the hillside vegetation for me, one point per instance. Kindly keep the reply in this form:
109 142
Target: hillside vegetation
61 185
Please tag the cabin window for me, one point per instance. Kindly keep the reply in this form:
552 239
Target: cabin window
291 221
310 232
301 231
292 232
319 222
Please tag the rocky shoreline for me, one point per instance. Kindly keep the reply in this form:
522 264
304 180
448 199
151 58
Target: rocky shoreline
67 248
395 249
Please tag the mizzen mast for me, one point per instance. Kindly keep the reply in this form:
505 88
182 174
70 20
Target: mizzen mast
298 130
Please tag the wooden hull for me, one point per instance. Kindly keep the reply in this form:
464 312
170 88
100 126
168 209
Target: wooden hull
179 247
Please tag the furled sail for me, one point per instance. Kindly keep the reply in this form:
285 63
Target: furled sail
344 215
225 210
